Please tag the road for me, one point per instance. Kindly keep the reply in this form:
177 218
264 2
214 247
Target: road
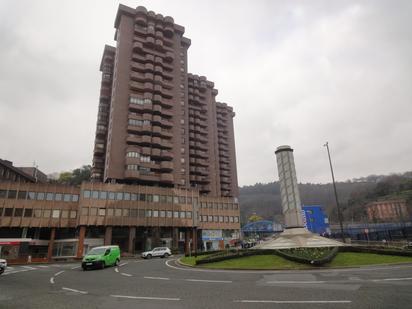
161 283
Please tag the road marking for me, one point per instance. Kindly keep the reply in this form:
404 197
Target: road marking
73 290
127 275
116 269
123 264
29 267
212 281
295 301
52 280
75 267
43 266
146 298
58 273
157 278
391 279
297 282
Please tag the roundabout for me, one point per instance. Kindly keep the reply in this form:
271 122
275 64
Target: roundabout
159 283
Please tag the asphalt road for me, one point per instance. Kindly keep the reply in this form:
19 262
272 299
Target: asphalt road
160 283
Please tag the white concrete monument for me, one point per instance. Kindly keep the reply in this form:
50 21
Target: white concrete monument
295 234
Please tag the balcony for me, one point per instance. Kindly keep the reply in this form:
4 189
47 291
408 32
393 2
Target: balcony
166 165
166 154
136 86
138 47
131 174
166 177
141 107
169 57
168 31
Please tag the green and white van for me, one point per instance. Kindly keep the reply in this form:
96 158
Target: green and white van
101 257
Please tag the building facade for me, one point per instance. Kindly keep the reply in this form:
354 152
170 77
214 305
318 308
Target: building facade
158 125
8 172
50 221
387 210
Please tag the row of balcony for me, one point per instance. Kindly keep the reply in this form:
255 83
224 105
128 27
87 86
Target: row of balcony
197 122
152 176
198 154
166 28
195 170
151 78
155 47
163 106
197 129
150 87
144 34
156 70
197 145
199 179
155 119
154 131
145 140
196 137
152 59
165 166
198 162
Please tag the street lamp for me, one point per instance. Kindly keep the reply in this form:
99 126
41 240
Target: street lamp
336 193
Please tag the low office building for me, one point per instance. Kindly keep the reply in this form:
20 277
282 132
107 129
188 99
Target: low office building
49 221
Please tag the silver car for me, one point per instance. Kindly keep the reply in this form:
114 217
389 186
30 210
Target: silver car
3 266
163 252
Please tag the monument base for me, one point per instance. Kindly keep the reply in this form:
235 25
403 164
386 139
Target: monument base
298 237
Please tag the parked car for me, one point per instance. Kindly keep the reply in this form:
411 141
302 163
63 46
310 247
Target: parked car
3 266
163 252
101 257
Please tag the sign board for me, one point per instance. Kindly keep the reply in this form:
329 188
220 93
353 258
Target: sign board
212 235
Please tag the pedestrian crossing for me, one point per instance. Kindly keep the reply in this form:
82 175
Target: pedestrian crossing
15 269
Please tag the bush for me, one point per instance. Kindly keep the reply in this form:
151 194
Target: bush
384 251
313 256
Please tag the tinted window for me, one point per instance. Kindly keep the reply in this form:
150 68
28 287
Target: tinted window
22 195
12 194
18 212
3 193
28 212
31 196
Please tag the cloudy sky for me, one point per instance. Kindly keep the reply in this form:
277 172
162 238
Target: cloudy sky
296 72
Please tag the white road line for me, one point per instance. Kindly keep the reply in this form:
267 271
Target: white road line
212 281
127 275
146 298
295 301
58 273
116 269
75 267
123 264
52 280
43 266
391 279
73 290
297 282
157 278
29 267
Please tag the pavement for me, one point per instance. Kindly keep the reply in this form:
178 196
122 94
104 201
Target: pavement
163 283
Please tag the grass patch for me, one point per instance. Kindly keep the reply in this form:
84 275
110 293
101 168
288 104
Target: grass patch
359 259
192 260
256 262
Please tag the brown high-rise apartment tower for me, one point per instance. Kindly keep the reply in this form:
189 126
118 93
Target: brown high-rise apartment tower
158 125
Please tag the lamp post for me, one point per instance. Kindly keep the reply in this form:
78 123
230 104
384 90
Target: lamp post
336 193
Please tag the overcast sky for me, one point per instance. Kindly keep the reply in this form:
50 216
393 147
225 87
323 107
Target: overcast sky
296 72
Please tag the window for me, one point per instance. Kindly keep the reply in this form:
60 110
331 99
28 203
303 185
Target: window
182 200
155 213
46 213
28 212
163 199
220 218
145 159
8 212
118 212
65 214
12 194
111 195
67 197
139 101
73 214
215 219
86 194
3 193
149 198
136 122
119 196
236 206
169 199
110 212
102 212
182 214
126 196
18 212
95 194
103 195
210 218
49 196
22 195
175 199
37 213
175 214
204 218
134 197
226 219
58 197
85 211
40 196
162 214
182 160
125 212
189 214
236 219
56 213
133 212
231 219
169 214
148 213
142 197
141 213
155 198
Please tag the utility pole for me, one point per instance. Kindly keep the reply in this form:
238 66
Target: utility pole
336 194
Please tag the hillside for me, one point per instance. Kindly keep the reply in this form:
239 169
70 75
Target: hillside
264 199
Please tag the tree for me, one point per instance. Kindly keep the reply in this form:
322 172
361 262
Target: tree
255 218
75 177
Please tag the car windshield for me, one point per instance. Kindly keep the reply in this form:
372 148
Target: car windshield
96 251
